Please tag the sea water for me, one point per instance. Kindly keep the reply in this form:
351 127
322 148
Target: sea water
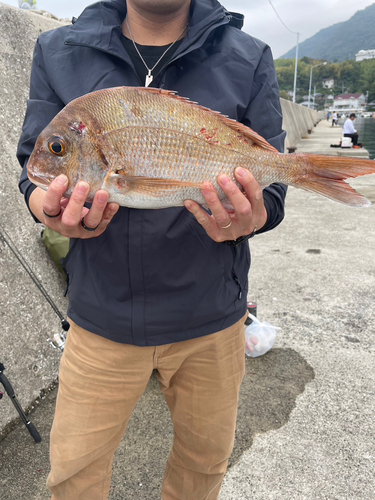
366 134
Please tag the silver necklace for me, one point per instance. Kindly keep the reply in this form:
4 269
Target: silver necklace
149 76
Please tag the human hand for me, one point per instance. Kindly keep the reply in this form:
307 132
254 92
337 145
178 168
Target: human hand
70 217
248 212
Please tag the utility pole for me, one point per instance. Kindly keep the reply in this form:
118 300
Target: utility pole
312 67
296 63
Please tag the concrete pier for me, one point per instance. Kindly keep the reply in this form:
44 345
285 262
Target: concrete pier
323 136
305 421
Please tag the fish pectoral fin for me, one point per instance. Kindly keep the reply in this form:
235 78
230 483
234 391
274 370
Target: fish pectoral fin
121 182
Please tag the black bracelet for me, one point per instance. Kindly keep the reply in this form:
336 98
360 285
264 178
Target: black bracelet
240 240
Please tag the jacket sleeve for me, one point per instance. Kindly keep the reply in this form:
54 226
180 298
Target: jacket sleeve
42 105
264 116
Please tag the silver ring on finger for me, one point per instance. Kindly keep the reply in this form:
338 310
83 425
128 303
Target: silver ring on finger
227 226
86 228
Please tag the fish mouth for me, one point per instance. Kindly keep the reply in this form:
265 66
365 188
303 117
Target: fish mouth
41 180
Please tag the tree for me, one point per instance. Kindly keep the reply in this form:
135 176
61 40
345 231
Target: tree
284 95
356 77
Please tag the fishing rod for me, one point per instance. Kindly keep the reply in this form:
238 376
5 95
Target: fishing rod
10 391
57 341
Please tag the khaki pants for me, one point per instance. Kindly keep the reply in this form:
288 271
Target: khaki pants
100 384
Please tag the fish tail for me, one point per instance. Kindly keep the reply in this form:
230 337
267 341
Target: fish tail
326 175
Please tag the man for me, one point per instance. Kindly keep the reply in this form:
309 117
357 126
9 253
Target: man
153 289
349 130
334 118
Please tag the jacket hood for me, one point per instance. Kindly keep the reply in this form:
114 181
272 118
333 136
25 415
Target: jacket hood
99 25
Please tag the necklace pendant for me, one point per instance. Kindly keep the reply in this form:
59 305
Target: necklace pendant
149 79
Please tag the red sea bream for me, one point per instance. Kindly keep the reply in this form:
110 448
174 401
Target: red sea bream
150 148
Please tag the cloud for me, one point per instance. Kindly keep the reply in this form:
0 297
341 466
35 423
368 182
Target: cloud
305 17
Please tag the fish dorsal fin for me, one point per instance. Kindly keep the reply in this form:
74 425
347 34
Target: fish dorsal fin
249 134
233 124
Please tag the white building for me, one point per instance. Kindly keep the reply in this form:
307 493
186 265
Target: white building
365 54
306 104
328 83
349 103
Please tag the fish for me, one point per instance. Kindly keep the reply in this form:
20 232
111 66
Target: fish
151 148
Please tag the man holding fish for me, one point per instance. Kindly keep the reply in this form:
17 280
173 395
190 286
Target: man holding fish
150 289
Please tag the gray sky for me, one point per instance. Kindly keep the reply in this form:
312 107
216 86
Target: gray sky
304 16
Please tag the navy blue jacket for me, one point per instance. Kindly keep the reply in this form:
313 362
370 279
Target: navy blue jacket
154 276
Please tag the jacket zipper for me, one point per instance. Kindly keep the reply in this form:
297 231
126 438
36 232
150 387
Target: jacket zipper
67 284
234 274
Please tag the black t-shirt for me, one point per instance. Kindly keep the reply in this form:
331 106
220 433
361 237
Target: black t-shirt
150 54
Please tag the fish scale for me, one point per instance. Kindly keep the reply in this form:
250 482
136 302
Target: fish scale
150 148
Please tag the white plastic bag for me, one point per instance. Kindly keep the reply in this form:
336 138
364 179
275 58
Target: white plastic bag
260 337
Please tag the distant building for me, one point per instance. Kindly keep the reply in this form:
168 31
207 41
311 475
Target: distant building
328 83
365 54
313 105
348 103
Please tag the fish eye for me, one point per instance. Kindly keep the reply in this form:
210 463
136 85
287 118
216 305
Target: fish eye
57 146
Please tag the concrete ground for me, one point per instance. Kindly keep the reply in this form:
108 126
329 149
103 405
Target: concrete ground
305 421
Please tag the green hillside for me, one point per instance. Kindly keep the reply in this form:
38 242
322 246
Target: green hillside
349 77
340 41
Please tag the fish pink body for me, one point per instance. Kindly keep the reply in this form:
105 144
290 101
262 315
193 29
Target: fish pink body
150 148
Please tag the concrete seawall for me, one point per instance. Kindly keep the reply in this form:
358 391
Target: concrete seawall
31 364
298 122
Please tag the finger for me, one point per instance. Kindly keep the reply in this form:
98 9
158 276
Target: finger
95 215
73 212
241 204
254 194
52 198
109 212
251 187
219 213
204 219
